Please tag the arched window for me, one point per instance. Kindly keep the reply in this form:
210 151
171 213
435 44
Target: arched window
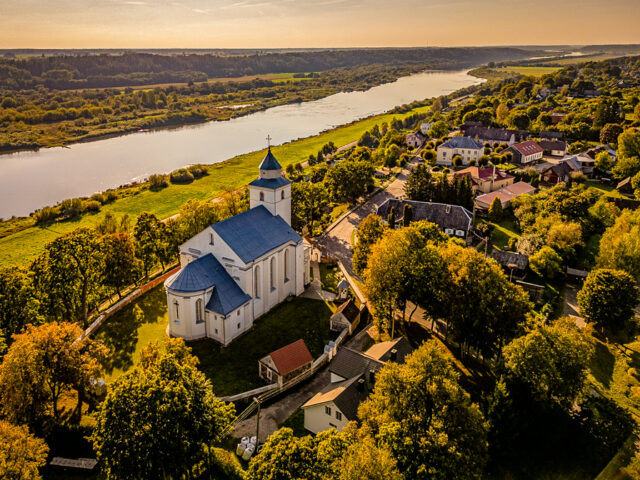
177 306
287 264
256 281
262 196
273 273
282 195
199 311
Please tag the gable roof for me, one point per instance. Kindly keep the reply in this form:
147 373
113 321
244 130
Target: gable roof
349 310
346 395
206 272
527 148
492 134
384 350
255 232
348 363
462 142
443 215
269 162
484 173
506 194
553 144
291 357
507 259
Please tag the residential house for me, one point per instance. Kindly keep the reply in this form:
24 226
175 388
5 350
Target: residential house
415 139
549 135
559 172
526 152
557 117
486 180
453 220
347 316
425 127
493 135
285 363
466 147
505 194
625 187
593 152
584 162
555 148
352 376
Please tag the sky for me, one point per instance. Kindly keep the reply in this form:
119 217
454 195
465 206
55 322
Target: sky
314 23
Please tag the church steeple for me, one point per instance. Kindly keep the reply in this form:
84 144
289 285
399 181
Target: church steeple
270 168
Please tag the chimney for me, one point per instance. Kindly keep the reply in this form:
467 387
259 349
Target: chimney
372 377
361 385
394 355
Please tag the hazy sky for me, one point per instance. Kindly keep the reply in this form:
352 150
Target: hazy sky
314 23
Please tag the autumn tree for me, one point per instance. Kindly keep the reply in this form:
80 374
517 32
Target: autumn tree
608 298
420 413
42 364
620 244
19 302
495 210
439 129
546 262
552 360
151 241
21 453
364 460
195 215
161 417
369 232
419 185
349 180
308 201
120 264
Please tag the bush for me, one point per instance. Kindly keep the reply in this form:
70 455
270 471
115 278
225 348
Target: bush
225 464
181 175
578 177
546 262
110 196
198 171
157 182
46 215
71 207
99 197
91 206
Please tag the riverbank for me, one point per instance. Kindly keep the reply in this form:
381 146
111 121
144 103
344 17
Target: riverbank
22 247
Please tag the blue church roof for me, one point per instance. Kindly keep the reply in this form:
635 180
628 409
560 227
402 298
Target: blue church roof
270 182
206 272
269 162
255 232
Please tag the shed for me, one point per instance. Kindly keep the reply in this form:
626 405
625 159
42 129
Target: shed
576 276
285 363
347 316
511 261
625 186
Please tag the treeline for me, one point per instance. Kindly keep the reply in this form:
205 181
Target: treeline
87 71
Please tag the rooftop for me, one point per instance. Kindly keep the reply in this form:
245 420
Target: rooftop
269 162
462 142
349 310
506 194
255 232
384 350
527 148
484 173
443 215
291 357
270 182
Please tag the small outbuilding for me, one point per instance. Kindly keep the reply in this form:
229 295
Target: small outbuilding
625 186
347 316
285 363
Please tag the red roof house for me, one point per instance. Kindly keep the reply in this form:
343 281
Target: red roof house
285 363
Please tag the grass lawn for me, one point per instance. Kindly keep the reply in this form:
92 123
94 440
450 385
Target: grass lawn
608 190
531 71
143 321
329 273
234 369
503 231
22 247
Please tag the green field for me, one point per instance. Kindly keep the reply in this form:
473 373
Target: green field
531 71
22 247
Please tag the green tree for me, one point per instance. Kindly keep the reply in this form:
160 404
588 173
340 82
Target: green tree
308 201
518 119
608 298
42 364
349 180
19 303
628 154
419 185
21 454
546 262
74 263
439 129
495 210
120 264
364 460
552 360
194 216
407 215
610 133
603 162
161 418
620 244
150 241
369 232
420 413
565 237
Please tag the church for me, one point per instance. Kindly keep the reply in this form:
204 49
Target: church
240 268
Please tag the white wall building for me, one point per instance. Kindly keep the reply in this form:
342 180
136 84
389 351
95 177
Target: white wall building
468 149
240 268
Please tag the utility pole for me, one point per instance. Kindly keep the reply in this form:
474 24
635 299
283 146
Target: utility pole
255 399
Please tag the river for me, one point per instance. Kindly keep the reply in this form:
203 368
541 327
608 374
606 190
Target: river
31 180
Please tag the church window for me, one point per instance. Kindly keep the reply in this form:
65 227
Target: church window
262 196
211 238
282 195
177 305
199 310
273 273
238 326
238 312
286 265
216 330
256 281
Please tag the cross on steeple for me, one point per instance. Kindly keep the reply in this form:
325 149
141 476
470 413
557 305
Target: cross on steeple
269 141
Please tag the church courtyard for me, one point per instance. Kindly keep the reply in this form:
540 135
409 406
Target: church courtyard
231 370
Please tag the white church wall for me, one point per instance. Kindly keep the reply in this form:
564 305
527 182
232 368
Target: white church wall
300 267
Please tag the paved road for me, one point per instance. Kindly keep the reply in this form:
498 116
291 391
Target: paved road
337 242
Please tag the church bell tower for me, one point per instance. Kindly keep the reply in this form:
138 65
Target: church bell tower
271 188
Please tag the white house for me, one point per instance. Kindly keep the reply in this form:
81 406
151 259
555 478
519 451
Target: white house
526 152
468 149
240 268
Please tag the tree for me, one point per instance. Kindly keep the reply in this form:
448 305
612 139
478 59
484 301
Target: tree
391 218
42 364
366 461
607 113
195 215
483 309
620 245
308 201
603 162
120 264
552 360
495 210
74 263
21 454
565 237
161 418
19 303
349 180
369 232
610 133
420 413
608 298
628 154
529 243
518 119
150 241
439 129
419 185
546 262
407 215
502 112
